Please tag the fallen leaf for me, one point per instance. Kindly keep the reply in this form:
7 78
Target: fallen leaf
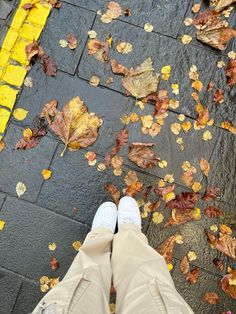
211 298
2 146
196 7
142 155
186 39
166 248
100 50
184 265
134 186
20 114
228 125
76 245
32 138
94 80
46 173
229 289
175 128
157 217
192 256
218 96
49 110
92 34
91 157
207 136
52 246
216 35
225 229
207 17
188 21
211 193
49 67
148 27
63 43
27 6
184 201
186 126
232 54
72 41
116 163
141 82
118 68
127 12
230 72
167 192
175 88
121 140
223 4
2 224
28 82
124 47
20 189
113 12
54 263
197 85
113 190
33 49
161 103
220 64
187 178
205 166
75 126
225 244
213 212
193 275
219 264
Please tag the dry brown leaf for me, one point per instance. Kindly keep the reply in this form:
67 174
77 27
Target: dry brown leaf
184 265
219 264
161 103
187 178
228 125
114 192
203 115
49 67
229 289
100 50
222 4
193 275
230 72
184 201
213 212
205 166
211 298
218 96
205 18
54 263
32 137
143 155
2 146
49 110
211 193
75 126
121 140
118 68
72 41
225 244
113 12
216 35
166 248
134 186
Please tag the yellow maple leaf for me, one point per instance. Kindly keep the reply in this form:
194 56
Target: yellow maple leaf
46 174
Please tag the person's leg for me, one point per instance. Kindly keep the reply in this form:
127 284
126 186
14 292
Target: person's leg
140 276
86 286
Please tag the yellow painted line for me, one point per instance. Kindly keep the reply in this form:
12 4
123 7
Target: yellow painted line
26 26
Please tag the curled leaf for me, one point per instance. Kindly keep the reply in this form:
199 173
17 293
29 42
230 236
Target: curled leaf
143 155
225 244
99 49
230 72
166 248
193 275
228 284
72 41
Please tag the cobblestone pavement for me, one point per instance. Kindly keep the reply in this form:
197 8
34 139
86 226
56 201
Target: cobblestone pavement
61 209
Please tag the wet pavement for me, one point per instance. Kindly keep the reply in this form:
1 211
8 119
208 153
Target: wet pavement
61 209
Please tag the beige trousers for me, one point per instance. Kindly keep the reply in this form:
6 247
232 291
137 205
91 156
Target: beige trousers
140 276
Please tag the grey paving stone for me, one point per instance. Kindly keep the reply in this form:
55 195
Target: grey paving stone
28 297
28 231
74 184
225 111
2 198
159 14
224 158
24 165
192 31
167 148
110 106
69 19
193 293
9 287
163 51
194 235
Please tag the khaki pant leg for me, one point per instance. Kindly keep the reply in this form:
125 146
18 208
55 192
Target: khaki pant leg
141 278
85 288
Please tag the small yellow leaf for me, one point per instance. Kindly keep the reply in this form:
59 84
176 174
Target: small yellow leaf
157 217
94 80
124 47
27 134
175 128
144 214
148 27
76 245
101 167
147 121
46 174
134 117
174 104
169 178
20 114
175 88
162 164
181 117
92 34
197 213
214 228
2 224
166 72
192 256
170 266
207 136
63 43
197 85
188 21
196 187
196 7
169 197
186 39
20 189
186 126
52 246
232 55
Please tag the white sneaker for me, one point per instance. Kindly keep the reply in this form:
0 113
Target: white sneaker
128 212
106 216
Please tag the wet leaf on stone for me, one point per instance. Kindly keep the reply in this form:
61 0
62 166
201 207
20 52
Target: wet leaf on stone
184 265
166 248
213 212
2 146
211 193
72 41
113 12
211 298
193 275
142 154
114 192
222 4
205 166
218 96
134 186
121 140
230 72
20 189
228 284
225 244
219 264
99 49
54 263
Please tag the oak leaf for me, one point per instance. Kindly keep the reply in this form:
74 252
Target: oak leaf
142 155
121 140
118 68
184 201
75 126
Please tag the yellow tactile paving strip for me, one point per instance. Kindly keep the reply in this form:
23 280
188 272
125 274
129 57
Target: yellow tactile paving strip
26 26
